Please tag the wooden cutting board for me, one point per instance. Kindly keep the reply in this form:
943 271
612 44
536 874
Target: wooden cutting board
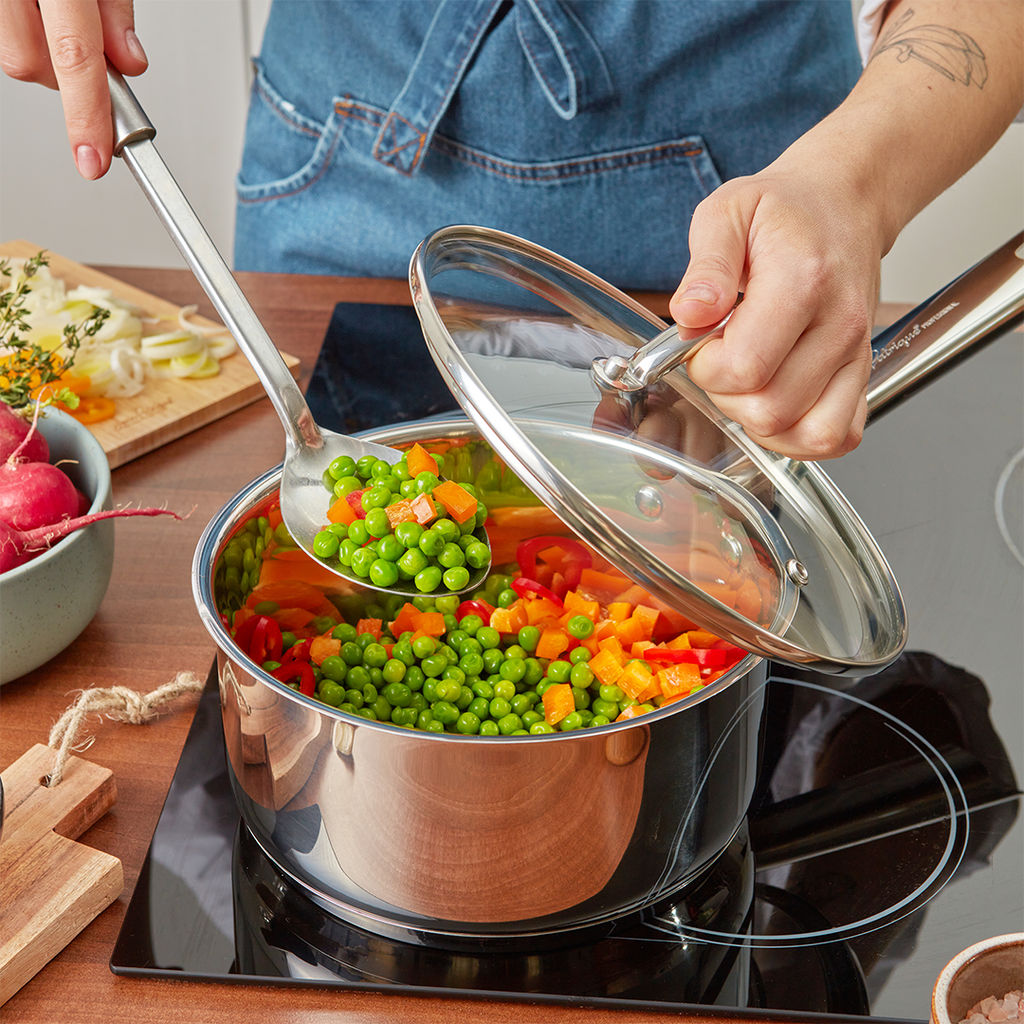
52 886
166 409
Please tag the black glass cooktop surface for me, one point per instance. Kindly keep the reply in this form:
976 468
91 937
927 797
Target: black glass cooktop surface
883 838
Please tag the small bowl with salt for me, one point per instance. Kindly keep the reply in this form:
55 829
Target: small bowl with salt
982 985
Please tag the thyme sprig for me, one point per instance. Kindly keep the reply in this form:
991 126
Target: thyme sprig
25 366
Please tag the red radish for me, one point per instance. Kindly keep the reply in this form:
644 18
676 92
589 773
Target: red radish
20 546
34 494
15 433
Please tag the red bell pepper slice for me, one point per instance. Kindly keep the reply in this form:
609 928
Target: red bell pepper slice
527 588
577 557
671 656
481 608
297 671
298 652
266 642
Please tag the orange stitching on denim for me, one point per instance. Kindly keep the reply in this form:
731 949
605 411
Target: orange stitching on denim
420 140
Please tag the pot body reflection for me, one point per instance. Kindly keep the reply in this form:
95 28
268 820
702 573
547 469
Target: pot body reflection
425 834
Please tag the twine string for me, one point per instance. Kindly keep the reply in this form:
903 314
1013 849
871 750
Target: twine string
118 703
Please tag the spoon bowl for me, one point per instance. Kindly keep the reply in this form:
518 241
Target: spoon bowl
309 449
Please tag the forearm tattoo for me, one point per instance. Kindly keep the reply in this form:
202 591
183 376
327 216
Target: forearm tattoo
953 54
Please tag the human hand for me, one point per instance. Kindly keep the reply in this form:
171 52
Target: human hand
793 363
64 44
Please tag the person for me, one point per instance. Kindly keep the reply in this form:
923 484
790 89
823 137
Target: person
739 140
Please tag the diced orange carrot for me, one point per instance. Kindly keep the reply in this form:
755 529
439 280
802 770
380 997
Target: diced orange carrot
719 591
553 641
619 611
679 643
540 610
274 517
576 605
636 679
633 711
614 647
419 509
679 679
419 460
637 650
431 623
341 512
634 594
372 626
629 631
405 620
323 647
461 505
558 702
511 619
278 569
701 638
602 586
293 619
289 593
606 667
647 617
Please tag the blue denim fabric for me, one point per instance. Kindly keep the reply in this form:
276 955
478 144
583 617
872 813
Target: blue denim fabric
592 128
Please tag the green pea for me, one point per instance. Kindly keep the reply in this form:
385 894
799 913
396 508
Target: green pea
397 695
488 637
482 688
412 563
355 698
402 651
599 720
509 724
468 723
431 543
445 712
434 665
408 534
558 671
383 573
534 672
528 638
331 693
405 717
426 482
357 532
345 485
478 554
504 689
359 678
578 654
389 548
507 598
382 709
424 646
344 632
471 663
346 550
374 654
478 706
465 698
343 465
414 678
435 726
498 708
377 523
604 707
427 580
334 667
364 466
456 577
580 697
512 669
493 657
581 675
539 728
531 718
452 671
612 694
424 718
488 727
361 562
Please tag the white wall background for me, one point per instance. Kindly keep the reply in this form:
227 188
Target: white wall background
196 92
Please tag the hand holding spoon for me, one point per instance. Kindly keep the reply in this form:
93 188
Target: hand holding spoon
309 449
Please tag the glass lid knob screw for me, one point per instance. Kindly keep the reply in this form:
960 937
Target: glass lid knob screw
797 573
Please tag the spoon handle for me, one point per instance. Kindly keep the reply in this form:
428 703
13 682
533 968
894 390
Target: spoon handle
134 144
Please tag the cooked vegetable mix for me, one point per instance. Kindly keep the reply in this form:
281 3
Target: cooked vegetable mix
402 522
552 641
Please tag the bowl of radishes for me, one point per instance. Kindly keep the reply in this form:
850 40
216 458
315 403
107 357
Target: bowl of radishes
52 576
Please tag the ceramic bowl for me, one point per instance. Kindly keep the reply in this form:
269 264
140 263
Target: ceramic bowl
46 603
992 967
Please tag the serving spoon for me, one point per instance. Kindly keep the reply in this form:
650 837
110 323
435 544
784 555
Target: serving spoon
309 448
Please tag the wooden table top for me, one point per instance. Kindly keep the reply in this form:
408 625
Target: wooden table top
146 630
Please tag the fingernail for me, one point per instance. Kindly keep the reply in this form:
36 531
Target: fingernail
88 162
131 40
698 292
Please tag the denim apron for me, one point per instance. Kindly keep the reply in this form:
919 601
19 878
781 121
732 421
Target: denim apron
591 127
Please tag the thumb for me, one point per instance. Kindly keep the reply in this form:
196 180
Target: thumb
711 284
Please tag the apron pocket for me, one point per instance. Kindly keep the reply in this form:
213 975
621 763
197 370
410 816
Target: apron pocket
285 151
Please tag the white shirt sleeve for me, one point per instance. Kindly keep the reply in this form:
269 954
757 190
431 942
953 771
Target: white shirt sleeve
869 21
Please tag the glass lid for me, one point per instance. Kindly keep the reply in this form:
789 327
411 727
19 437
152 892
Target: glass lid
557 370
